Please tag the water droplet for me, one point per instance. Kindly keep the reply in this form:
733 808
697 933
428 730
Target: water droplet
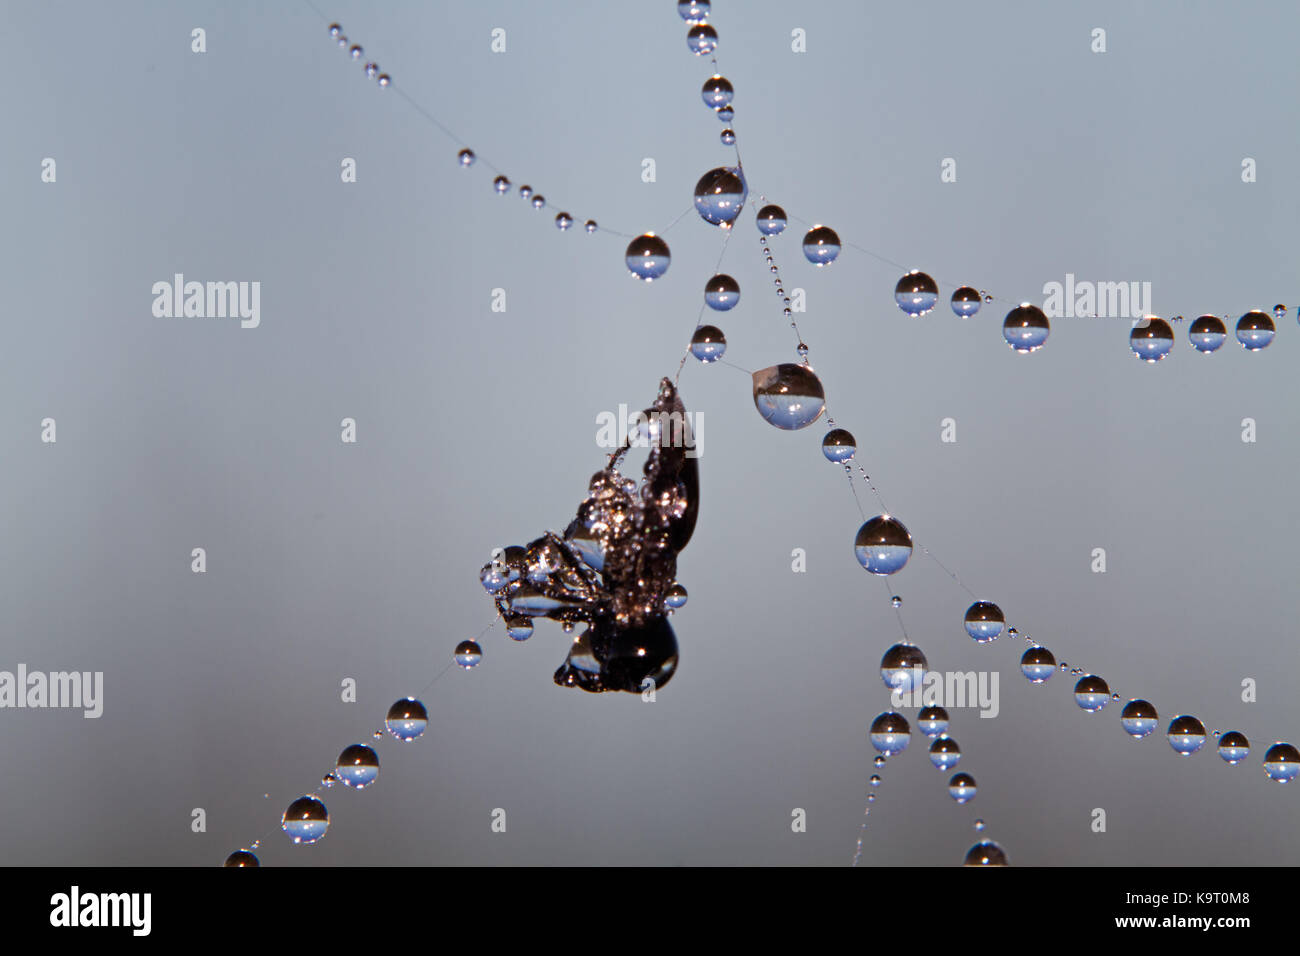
242 858
355 52
721 293
720 195
1038 664
468 654
916 293
788 396
702 39
771 220
944 753
676 597
875 780
335 29
563 221
693 11
708 343
538 201
890 733
716 92
878 760
385 79
305 820
821 245
466 157
525 191
1279 311
648 257
328 780
590 225
984 621
407 719
1091 693
1282 762
965 302
882 545
1255 330
357 767
986 853
961 787
1152 339
519 627
902 667
839 445
728 137
1026 328
1234 747
1139 718
1186 734
896 601
979 825
493 579
372 69
933 721
726 114
1012 632
502 185
1207 333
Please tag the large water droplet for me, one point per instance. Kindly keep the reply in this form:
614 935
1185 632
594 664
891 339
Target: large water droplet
966 302
721 293
961 787
890 733
771 220
984 621
1026 328
788 396
357 767
944 753
1186 734
1152 339
1091 693
716 92
305 820
916 293
702 39
839 445
986 853
882 545
242 858
1255 330
407 719
468 654
898 668
821 245
1282 762
933 721
520 627
693 11
708 343
648 257
720 195
1139 718
1037 664
1234 747
1207 333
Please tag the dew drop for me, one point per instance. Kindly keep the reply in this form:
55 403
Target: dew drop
590 225
702 39
979 826
519 627
357 767
1091 693
878 760
335 29
1152 339
1026 328
984 621
716 92
728 137
1234 747
933 721
468 654
693 11
896 601
501 184
525 192
875 780
1255 330
721 293
385 79
771 220
1282 762
466 157
902 667
961 787
328 780
538 201
944 753
1279 311
720 195
726 114
1139 718
305 820
788 396
372 69
1186 734
1038 664
916 293
1207 333
407 719
648 257
242 858
882 545
821 245
986 853
965 302
563 221
708 343
839 445
890 733
355 52
676 597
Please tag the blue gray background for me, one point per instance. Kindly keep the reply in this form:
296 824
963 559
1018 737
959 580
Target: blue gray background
476 429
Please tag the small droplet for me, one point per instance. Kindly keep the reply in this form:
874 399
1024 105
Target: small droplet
525 192
708 343
979 825
788 396
468 654
407 719
882 545
1234 747
385 79
676 597
839 445
1255 330
357 767
1139 718
985 854
1207 333
984 621
1026 328
519 627
728 137
933 721
890 733
647 257
771 220
965 302
590 225
916 293
1282 762
335 29
716 92
501 184
875 780
902 668
721 293
1091 693
372 69
328 780
896 601
878 760
720 195
563 221
1151 339
242 858
821 245
1186 734
961 787
355 52
702 39
1038 664
538 201
1279 312
944 753
305 820
726 114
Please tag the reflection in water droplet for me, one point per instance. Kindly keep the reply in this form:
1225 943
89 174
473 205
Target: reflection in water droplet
1091 693
720 195
771 220
1152 340
890 733
1282 762
357 767
788 396
944 753
648 257
821 245
721 293
1255 330
693 11
916 293
407 719
839 445
708 343
716 92
242 858
986 853
305 820
702 39
882 545
899 667
468 654
965 302
1207 333
676 597
1026 328
1234 747
1139 718
1186 734
984 621
933 721
728 137
1038 664
962 787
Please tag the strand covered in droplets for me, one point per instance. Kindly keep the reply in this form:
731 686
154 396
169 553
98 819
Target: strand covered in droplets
790 396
